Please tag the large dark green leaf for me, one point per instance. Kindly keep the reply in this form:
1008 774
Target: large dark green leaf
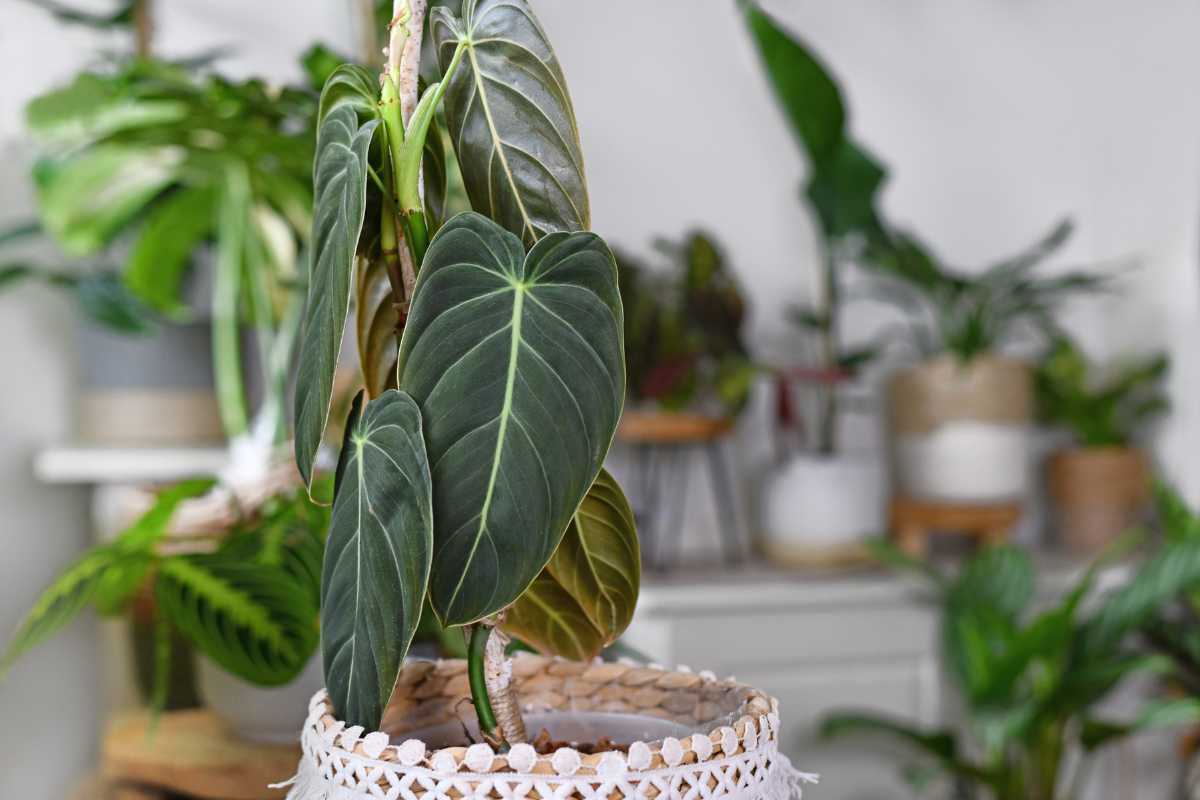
593 575
340 189
517 364
376 557
350 86
511 119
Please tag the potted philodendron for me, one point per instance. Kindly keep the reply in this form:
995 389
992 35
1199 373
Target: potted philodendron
471 469
961 418
686 360
1100 483
823 502
243 594
1032 678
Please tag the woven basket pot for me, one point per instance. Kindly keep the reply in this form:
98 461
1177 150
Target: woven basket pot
1099 493
704 738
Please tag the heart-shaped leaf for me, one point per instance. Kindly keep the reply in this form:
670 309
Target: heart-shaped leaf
517 365
376 557
376 320
340 189
511 119
594 575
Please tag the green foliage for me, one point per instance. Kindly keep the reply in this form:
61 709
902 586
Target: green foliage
516 363
683 328
584 598
1100 411
971 314
146 159
1031 679
514 358
378 555
250 605
511 119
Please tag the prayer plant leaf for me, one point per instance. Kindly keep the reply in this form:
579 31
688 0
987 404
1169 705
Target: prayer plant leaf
377 555
594 574
516 362
511 120
340 188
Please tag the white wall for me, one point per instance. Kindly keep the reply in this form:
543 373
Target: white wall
995 116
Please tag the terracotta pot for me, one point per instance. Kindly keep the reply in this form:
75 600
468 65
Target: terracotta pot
1098 493
682 734
960 431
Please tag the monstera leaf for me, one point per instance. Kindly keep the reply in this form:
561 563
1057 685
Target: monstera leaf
340 188
517 365
511 119
584 598
376 319
376 557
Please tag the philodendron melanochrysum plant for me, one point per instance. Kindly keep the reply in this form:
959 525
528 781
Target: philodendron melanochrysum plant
491 354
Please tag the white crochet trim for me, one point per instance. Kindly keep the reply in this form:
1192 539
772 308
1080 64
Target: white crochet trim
333 768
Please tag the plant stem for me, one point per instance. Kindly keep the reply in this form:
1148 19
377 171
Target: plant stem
476 655
827 422
490 672
143 28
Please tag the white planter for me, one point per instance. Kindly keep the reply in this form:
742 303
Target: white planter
965 461
257 713
961 430
685 735
823 507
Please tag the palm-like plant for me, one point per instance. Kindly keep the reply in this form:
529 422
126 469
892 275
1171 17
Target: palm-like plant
1031 682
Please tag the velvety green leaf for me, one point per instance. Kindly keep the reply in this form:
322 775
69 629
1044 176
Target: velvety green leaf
594 573
89 198
160 259
350 86
376 320
511 119
377 555
340 182
435 177
517 364
549 619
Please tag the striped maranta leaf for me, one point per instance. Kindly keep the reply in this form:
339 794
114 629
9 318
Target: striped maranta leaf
511 119
584 598
517 365
376 557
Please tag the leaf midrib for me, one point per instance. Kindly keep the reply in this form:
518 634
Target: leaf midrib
519 290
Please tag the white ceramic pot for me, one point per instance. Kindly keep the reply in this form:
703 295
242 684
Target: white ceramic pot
678 732
822 508
258 714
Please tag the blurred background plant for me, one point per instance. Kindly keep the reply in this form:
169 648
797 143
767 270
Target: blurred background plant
684 346
1100 408
246 596
1031 682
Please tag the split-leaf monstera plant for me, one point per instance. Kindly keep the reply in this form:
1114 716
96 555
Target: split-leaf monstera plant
491 352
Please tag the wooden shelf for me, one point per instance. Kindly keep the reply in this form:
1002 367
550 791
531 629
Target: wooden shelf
189 753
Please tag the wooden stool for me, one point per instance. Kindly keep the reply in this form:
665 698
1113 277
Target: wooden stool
914 520
663 444
189 753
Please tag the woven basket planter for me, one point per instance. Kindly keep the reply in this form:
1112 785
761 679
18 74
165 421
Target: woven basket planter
725 743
